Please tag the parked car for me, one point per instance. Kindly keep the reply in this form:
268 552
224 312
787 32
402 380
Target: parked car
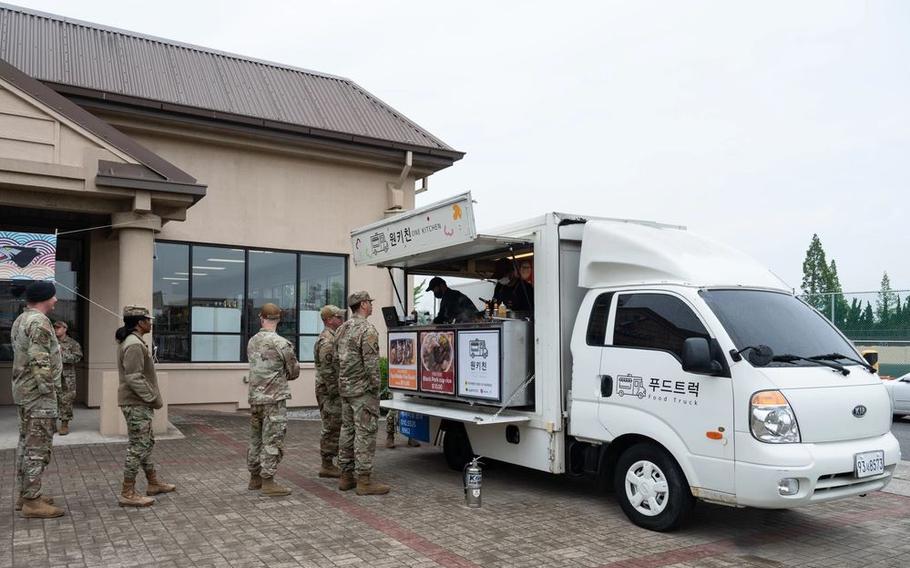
899 389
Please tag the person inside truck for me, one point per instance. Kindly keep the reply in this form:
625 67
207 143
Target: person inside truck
511 290
454 307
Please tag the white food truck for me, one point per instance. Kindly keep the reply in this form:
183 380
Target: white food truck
669 366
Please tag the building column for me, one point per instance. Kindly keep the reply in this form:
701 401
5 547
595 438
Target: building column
136 250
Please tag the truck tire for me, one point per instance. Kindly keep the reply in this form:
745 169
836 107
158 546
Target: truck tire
456 446
651 488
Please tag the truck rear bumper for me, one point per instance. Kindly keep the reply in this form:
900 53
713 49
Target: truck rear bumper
824 471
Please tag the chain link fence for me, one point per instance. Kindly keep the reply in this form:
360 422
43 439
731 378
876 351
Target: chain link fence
867 316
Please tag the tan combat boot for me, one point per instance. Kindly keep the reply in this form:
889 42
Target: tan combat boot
255 482
156 486
272 489
412 443
390 441
38 508
129 497
367 487
64 428
329 469
347 481
45 498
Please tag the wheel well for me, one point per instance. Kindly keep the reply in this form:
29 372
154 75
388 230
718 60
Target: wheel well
610 455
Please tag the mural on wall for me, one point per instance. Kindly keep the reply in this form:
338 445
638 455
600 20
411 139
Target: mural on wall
27 256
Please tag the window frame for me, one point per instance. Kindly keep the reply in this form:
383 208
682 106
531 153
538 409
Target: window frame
244 333
614 312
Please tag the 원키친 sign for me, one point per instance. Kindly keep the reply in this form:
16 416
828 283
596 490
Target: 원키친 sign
27 256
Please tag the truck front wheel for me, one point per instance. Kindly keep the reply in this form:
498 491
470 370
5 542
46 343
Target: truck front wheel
651 488
456 446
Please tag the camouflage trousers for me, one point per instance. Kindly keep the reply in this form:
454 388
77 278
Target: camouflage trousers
359 423
268 426
65 397
329 402
391 420
33 453
141 440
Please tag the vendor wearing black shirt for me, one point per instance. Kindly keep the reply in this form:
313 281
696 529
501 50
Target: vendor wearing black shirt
454 307
511 290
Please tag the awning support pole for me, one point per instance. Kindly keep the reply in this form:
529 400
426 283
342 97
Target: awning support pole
397 294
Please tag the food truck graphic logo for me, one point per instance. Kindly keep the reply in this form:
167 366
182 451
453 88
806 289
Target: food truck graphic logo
478 348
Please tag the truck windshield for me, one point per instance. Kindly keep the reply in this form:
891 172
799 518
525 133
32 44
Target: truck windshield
778 320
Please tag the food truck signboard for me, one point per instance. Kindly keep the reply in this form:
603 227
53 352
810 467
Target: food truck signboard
403 360
437 362
478 364
447 223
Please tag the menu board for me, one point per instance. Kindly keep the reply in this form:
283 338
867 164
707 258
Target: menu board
403 360
437 362
478 364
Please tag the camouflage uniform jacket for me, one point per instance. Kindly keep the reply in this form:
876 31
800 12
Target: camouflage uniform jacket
272 365
324 359
138 381
72 354
357 357
37 364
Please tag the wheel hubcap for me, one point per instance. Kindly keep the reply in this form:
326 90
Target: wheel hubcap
646 488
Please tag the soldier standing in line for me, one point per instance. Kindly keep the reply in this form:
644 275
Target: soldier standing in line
327 390
272 365
138 397
357 354
36 372
66 393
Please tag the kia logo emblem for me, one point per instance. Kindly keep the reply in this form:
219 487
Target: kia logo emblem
859 411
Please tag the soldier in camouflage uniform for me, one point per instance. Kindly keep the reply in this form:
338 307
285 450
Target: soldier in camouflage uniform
272 365
36 372
391 420
357 356
66 393
327 390
138 397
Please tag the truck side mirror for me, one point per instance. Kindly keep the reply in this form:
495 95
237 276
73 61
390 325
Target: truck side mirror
871 357
697 357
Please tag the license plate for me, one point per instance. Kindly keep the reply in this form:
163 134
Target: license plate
868 464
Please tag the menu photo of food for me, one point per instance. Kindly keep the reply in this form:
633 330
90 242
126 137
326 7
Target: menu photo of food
403 360
437 362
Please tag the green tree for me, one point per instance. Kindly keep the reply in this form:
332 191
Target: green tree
836 301
816 277
419 291
867 320
854 316
886 303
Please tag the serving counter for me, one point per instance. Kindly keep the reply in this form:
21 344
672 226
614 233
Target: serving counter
481 363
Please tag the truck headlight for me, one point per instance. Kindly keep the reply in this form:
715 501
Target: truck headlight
772 419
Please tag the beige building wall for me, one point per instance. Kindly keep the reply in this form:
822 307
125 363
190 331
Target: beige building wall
259 195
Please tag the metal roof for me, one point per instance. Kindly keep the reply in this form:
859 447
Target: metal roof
64 51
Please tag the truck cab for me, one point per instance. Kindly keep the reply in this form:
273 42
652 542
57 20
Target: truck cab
671 367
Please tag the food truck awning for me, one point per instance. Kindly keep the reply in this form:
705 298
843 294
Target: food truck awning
479 415
440 233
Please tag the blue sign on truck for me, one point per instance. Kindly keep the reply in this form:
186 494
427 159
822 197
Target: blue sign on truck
414 426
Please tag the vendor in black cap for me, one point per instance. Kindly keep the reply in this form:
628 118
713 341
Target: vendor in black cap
511 290
454 307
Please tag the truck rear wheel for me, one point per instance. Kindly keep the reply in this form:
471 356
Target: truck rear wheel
651 488
456 446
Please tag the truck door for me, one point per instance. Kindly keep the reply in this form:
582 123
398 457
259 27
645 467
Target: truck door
589 386
651 392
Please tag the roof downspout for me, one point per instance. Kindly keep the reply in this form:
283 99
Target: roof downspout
396 194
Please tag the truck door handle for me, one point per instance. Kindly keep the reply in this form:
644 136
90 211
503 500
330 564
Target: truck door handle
606 385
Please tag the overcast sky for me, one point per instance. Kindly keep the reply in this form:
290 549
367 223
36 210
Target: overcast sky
755 123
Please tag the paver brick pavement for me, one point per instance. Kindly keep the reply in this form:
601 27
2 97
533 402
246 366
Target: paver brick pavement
528 518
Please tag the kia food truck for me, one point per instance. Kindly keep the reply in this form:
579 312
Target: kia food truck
669 366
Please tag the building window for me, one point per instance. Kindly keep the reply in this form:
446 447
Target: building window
207 298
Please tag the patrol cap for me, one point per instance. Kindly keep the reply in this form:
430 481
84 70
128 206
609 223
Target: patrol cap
357 297
61 323
136 312
330 311
270 311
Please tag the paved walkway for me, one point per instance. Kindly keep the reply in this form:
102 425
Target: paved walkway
528 518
